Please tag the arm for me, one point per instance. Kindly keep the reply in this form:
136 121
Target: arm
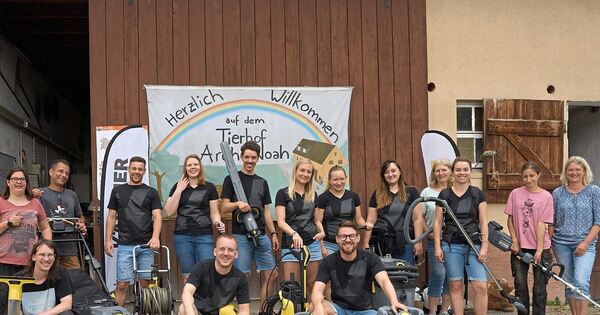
271 228
437 234
358 218
540 234
110 227
419 226
320 230
286 228
317 298
483 227
388 289
244 309
187 298
515 247
215 216
228 206
154 242
46 230
173 202
66 303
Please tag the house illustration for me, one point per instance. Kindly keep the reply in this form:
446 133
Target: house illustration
322 155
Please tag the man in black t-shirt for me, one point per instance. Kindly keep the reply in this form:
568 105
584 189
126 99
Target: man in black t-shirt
138 208
351 272
212 284
257 192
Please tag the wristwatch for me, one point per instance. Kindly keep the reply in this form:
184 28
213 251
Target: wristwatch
273 233
9 223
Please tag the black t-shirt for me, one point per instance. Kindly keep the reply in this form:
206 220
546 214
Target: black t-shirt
466 209
134 205
42 297
397 210
351 281
337 210
256 189
193 212
300 216
214 290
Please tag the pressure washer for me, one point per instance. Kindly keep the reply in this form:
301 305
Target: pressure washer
469 239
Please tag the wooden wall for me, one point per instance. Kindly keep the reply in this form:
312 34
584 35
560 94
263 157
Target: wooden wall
376 46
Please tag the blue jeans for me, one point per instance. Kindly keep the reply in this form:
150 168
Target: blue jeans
315 253
341 311
578 269
457 258
438 282
144 258
331 247
262 256
192 249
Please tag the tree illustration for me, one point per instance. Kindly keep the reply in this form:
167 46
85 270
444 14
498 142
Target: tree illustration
166 170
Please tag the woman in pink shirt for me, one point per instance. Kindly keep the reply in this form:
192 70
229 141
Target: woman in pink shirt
530 209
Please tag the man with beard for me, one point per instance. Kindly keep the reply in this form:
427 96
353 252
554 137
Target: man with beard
351 272
60 202
259 197
138 208
213 284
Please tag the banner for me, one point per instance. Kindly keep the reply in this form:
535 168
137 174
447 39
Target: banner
436 145
287 122
126 143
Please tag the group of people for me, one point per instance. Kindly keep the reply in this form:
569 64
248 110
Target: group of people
331 225
24 211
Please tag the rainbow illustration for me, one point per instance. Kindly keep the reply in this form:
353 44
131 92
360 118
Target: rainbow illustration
245 104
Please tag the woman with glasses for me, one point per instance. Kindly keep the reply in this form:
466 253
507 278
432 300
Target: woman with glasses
295 206
388 207
20 216
196 203
334 206
52 292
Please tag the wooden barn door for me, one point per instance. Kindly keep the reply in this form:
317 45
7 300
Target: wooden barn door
519 131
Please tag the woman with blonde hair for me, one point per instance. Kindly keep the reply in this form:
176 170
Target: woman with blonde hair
439 179
196 204
334 206
295 207
576 227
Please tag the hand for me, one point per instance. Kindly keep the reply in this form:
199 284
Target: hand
482 253
37 193
515 248
581 248
16 219
368 226
537 258
324 250
396 306
319 236
439 254
244 207
220 226
82 228
296 240
154 243
275 242
109 248
418 249
182 183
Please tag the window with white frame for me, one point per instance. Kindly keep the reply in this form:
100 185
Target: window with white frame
469 127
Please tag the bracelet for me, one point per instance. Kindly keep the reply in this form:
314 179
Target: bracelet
294 233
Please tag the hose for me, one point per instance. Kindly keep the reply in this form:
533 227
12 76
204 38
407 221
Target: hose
155 300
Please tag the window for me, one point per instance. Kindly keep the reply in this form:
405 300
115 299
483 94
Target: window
469 127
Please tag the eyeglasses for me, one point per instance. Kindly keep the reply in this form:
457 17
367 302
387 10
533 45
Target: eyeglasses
18 179
42 255
344 237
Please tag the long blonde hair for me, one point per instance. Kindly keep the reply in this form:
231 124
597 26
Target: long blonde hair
588 177
309 192
433 182
383 196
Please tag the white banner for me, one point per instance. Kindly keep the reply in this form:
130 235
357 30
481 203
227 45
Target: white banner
126 143
287 122
437 145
